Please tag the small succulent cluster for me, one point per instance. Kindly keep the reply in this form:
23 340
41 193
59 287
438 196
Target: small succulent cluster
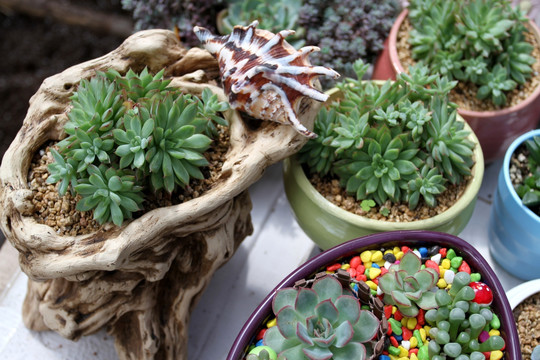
326 320
273 16
346 30
399 141
458 321
529 191
476 41
131 132
167 14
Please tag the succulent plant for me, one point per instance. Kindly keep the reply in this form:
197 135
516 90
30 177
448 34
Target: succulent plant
273 16
346 30
377 137
407 286
132 132
457 322
477 41
529 191
111 194
322 322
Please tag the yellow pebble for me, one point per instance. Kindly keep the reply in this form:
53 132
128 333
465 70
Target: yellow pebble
403 358
441 271
494 332
496 355
404 321
402 351
441 284
381 263
345 266
394 309
330 272
445 264
399 255
423 334
371 285
414 342
427 328
413 356
365 256
411 323
271 323
368 264
389 251
393 357
374 272
376 256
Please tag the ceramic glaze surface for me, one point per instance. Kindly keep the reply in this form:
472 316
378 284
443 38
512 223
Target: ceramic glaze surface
263 75
514 230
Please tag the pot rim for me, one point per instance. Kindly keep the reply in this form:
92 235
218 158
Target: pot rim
391 238
506 173
519 293
470 193
398 68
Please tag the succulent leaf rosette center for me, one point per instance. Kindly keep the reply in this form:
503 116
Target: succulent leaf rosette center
319 323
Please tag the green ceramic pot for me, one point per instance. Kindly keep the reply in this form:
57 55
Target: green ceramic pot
329 225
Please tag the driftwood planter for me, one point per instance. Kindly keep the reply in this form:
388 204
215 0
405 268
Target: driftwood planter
142 279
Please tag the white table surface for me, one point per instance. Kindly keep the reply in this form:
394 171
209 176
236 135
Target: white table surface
276 247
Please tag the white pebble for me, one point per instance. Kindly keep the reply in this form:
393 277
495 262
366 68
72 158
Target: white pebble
449 276
387 265
436 258
417 253
406 344
379 291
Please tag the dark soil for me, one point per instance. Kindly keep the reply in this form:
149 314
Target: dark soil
35 48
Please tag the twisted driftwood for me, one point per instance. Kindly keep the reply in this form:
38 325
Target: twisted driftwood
139 280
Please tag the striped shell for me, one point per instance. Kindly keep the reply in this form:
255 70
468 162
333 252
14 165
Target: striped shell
263 75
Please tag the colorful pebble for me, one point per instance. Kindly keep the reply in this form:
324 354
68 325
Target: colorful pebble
482 293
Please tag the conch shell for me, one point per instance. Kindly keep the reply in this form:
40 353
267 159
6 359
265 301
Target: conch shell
263 75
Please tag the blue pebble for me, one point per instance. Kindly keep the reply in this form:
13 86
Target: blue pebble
423 251
384 357
259 343
355 288
375 266
398 337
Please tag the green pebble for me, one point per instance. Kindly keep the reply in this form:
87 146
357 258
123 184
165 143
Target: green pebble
476 277
423 353
366 272
456 262
495 323
366 307
392 350
373 292
396 327
450 254
418 337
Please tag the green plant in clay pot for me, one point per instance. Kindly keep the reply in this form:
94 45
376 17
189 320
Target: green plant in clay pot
489 47
386 149
529 189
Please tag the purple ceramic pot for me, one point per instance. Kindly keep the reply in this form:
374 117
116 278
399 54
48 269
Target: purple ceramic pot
413 238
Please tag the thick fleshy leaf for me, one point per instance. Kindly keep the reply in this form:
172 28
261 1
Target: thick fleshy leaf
348 308
87 203
116 214
286 321
427 301
303 335
427 278
388 185
327 288
317 353
405 167
400 299
344 333
372 184
410 284
414 295
274 339
115 184
366 327
180 171
387 283
353 350
410 311
410 262
327 310
306 301
197 141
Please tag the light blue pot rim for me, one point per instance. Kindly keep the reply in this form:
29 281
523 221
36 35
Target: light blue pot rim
506 171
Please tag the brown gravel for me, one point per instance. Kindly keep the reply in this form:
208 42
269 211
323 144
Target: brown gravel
464 94
331 190
60 213
527 316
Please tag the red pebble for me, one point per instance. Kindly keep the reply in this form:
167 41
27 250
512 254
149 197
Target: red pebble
464 267
376 281
333 267
355 261
405 249
352 271
487 354
432 264
361 277
413 351
443 251
394 341
407 334
420 317
383 271
418 326
389 332
360 269
482 293
398 316
388 311
260 335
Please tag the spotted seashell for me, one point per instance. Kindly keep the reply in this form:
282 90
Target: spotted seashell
264 75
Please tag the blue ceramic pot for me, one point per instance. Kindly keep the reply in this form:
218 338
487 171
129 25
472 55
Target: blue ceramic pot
514 230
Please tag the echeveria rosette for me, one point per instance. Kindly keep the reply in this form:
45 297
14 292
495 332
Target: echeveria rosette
209 107
64 171
407 286
111 194
494 84
134 140
428 184
137 87
176 151
90 148
320 322
529 191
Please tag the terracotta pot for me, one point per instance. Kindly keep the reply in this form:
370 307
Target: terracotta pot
514 230
329 225
495 129
376 241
